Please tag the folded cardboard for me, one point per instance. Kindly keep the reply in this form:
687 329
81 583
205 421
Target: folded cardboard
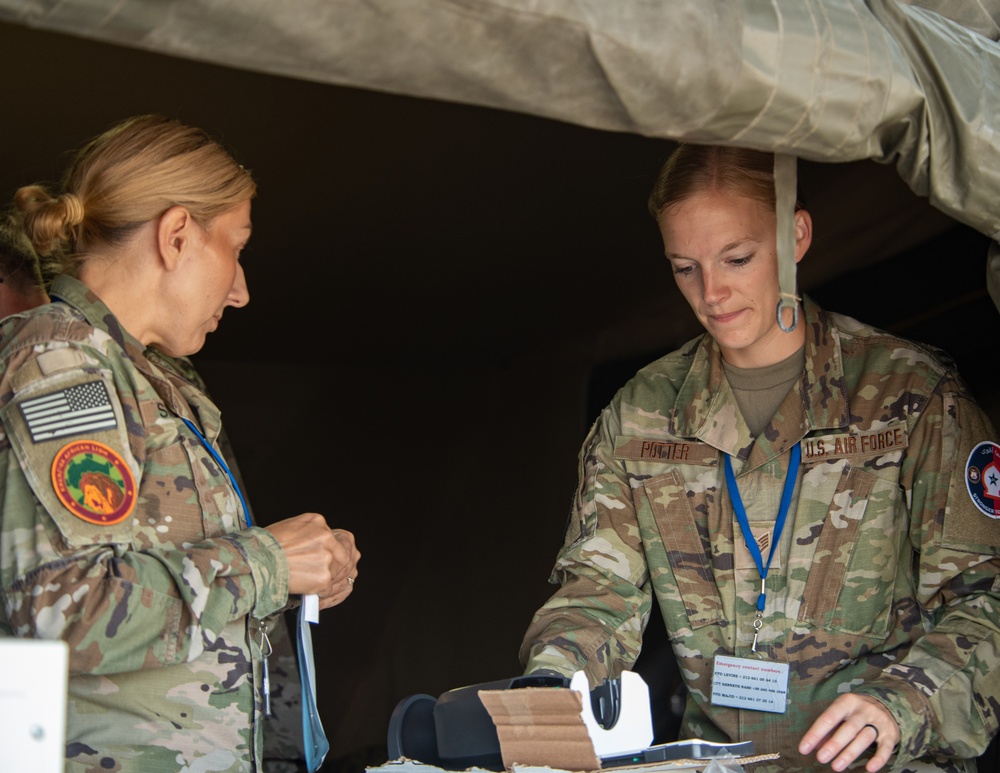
545 729
541 727
556 726
552 729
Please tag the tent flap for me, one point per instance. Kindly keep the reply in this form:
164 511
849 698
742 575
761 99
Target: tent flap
827 80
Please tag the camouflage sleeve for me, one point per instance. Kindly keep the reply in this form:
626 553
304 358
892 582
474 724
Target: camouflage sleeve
944 693
129 592
594 621
121 609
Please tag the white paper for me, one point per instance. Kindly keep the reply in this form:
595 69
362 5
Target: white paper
745 683
314 738
33 680
310 608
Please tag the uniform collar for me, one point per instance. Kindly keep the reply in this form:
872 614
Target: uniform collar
166 374
75 293
706 408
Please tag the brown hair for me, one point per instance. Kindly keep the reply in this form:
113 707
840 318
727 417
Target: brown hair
692 169
127 176
19 264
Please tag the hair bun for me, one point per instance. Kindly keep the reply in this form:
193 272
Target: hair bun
73 208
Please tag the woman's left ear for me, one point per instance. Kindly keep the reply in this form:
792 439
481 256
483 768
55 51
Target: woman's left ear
803 233
173 234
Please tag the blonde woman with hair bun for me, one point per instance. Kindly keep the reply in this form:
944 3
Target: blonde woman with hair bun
162 587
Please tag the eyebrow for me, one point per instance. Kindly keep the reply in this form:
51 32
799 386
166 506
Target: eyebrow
726 248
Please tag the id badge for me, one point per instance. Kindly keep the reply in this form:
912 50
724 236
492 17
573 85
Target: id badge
745 683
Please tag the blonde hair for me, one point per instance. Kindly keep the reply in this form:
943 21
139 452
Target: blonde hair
127 176
693 169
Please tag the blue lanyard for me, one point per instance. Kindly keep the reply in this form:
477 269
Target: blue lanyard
219 460
779 525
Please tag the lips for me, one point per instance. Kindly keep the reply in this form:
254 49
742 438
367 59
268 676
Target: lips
723 319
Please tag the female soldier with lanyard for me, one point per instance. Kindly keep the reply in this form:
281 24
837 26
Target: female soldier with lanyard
165 601
809 505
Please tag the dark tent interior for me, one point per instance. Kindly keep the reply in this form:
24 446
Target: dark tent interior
442 298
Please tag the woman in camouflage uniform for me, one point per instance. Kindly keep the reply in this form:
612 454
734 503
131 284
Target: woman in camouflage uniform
162 590
814 512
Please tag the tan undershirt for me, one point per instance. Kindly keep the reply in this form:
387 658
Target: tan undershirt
760 391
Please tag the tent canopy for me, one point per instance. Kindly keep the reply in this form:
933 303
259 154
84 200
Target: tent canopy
827 80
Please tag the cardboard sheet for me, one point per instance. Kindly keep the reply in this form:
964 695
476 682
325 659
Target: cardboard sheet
541 727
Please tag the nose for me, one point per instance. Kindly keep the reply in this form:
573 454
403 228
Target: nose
714 287
239 294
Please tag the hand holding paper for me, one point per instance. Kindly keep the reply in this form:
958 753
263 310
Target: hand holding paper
321 561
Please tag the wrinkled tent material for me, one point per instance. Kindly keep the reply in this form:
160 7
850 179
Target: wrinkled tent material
826 80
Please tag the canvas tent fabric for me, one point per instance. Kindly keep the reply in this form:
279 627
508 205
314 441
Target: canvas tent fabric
911 84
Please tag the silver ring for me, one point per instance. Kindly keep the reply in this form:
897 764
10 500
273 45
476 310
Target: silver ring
873 728
350 581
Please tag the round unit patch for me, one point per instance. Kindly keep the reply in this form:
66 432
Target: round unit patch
982 476
94 482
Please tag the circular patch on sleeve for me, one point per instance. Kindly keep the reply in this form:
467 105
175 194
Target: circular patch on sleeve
94 482
982 477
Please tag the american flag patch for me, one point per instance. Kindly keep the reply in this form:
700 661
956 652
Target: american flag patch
71 411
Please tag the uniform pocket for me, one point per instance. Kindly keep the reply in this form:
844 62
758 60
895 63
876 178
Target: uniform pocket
692 588
185 493
852 578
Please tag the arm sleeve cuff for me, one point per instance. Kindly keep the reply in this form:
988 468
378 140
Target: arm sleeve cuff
912 712
269 569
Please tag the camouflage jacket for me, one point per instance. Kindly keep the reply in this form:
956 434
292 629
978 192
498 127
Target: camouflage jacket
121 535
282 729
885 580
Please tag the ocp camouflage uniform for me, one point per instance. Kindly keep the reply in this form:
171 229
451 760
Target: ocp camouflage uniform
160 609
282 729
886 578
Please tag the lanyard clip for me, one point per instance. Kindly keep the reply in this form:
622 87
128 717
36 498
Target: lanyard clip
265 653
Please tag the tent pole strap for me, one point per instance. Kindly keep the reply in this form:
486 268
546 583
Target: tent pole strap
785 186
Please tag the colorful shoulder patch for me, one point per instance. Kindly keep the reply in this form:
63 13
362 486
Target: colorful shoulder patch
94 482
982 476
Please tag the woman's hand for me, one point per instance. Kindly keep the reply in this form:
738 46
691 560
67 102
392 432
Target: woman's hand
321 560
850 725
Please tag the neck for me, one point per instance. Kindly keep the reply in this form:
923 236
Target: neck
128 297
124 277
